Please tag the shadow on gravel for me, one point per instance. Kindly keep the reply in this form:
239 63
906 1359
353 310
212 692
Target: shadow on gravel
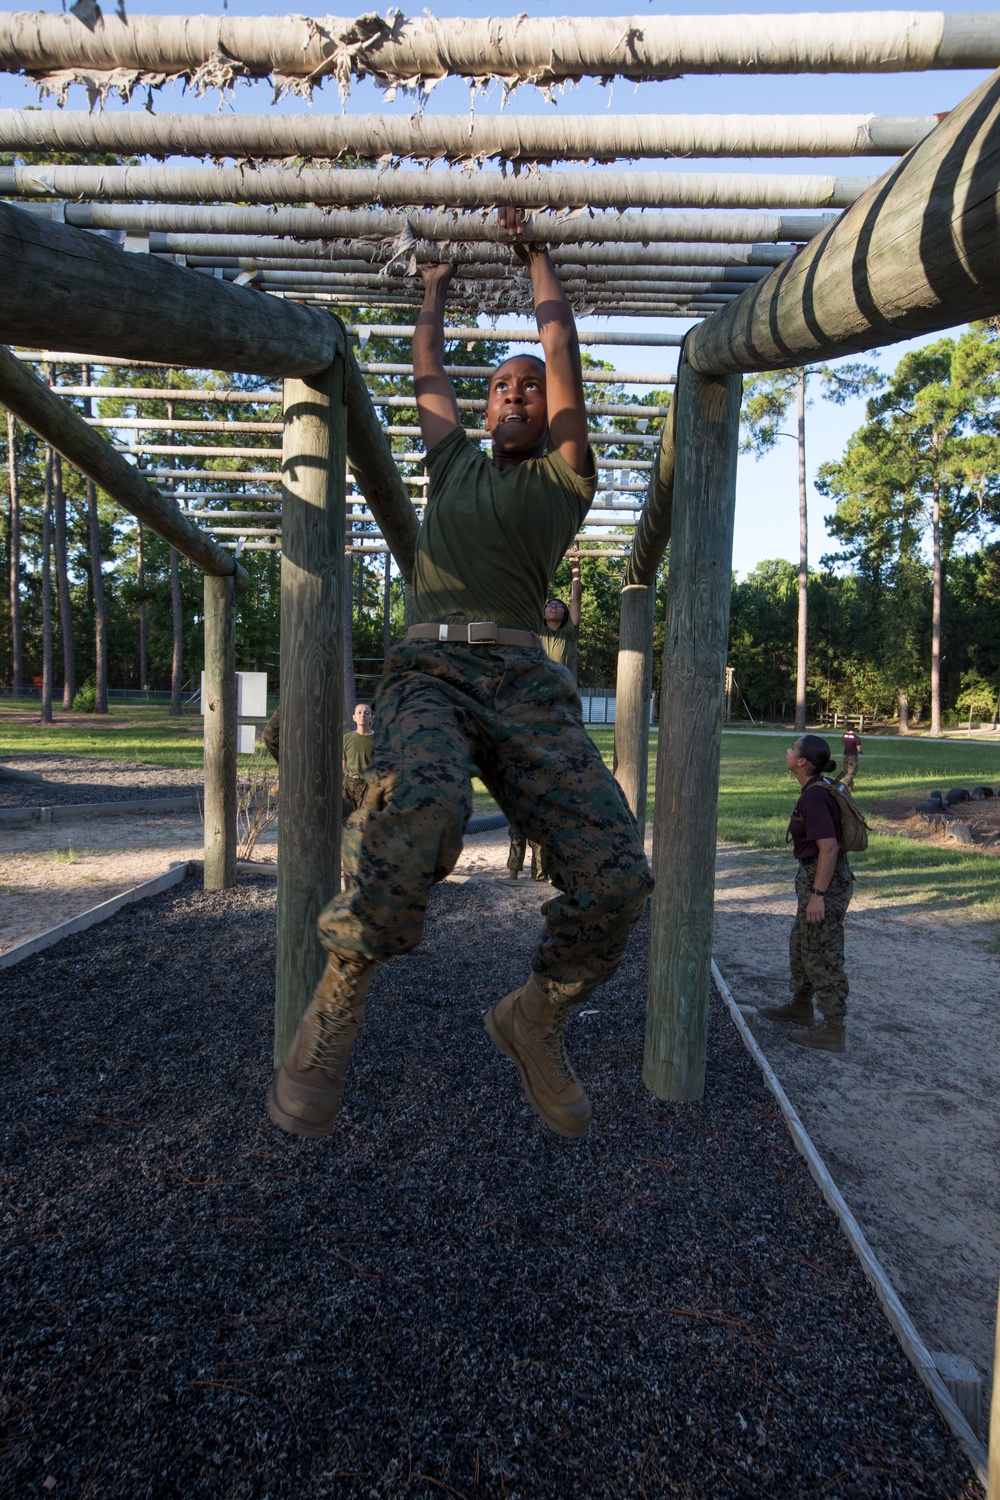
440 1298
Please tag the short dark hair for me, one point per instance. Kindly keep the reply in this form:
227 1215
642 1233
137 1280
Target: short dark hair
814 749
533 357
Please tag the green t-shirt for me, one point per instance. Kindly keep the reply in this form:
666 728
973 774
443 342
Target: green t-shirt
492 538
358 749
562 645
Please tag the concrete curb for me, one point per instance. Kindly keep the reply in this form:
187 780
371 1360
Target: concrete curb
68 811
96 914
910 1341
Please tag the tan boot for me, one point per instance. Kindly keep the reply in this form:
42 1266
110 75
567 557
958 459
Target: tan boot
831 1036
794 1010
305 1093
527 1027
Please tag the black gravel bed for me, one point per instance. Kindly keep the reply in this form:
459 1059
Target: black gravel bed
76 778
439 1299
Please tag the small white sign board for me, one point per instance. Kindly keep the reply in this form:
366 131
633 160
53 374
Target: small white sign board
251 695
246 739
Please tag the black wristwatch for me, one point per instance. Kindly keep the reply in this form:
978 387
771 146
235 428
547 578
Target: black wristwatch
814 892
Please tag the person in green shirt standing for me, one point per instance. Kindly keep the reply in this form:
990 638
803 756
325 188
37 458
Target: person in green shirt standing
359 744
560 633
470 692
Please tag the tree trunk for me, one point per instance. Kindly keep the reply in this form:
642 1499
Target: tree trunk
802 650
16 636
100 608
140 577
47 593
904 714
62 585
177 616
935 728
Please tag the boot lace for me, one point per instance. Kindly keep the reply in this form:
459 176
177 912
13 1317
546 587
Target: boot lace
555 1049
328 1038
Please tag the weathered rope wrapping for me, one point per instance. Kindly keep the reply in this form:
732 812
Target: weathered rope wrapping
107 53
349 188
571 228
251 250
459 138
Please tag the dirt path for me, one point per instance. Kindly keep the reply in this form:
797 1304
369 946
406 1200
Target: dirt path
907 1120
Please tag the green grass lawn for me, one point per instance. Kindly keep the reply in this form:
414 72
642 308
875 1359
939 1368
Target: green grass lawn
140 733
755 797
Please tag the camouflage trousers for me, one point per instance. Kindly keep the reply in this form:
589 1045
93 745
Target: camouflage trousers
354 792
442 714
816 949
850 770
517 854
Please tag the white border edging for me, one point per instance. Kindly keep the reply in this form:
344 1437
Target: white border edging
96 914
912 1344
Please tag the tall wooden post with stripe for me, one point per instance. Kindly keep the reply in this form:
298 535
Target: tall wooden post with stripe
687 767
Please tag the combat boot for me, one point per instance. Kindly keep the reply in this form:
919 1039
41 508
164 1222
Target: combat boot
831 1036
305 1093
796 1009
527 1027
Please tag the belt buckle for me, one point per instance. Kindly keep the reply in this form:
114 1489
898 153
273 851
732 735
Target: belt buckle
489 639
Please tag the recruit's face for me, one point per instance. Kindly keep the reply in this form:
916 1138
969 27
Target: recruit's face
516 411
555 616
363 718
794 757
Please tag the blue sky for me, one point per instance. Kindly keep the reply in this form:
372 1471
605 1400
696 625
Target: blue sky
766 519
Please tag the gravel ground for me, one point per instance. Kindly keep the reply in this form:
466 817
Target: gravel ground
76 778
440 1298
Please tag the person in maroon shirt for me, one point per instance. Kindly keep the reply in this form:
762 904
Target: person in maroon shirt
823 889
852 749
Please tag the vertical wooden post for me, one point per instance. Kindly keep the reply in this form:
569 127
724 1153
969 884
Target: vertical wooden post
687 766
632 693
220 732
313 457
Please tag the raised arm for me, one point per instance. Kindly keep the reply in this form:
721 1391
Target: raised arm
436 404
557 328
576 589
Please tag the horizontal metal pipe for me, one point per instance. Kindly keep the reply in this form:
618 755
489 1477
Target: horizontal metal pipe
373 283
475 433
424 137
251 248
214 52
265 271
49 356
344 187
170 393
723 227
